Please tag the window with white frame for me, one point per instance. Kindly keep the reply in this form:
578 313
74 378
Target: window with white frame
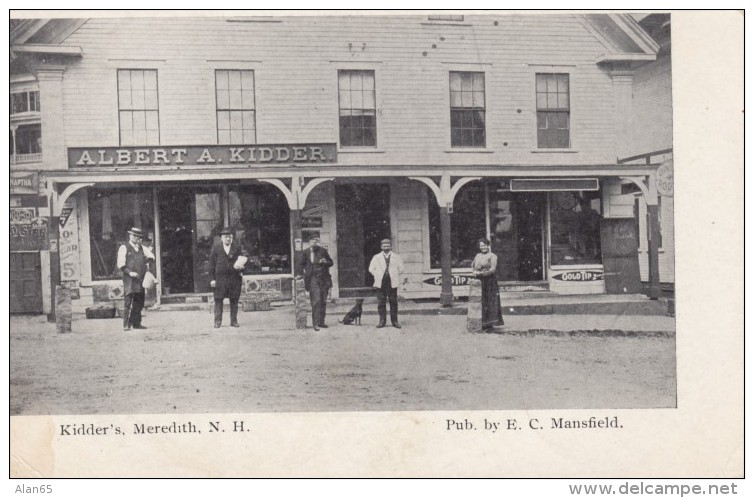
467 109
21 102
138 107
357 108
236 107
25 134
553 110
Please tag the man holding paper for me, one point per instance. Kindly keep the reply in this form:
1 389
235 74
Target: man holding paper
226 264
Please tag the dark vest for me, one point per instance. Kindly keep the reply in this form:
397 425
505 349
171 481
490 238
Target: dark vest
135 261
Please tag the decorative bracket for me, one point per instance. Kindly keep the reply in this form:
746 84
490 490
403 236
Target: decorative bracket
648 189
445 193
63 196
296 196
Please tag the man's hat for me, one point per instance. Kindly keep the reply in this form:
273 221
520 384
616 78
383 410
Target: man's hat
136 231
314 236
227 231
385 241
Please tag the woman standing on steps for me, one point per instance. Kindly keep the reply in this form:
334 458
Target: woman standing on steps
484 267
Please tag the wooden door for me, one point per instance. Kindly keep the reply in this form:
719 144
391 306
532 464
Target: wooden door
25 282
176 241
620 255
351 264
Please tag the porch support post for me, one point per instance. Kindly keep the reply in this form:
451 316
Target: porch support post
653 239
57 201
54 236
649 191
157 245
446 207
296 233
60 297
446 294
299 292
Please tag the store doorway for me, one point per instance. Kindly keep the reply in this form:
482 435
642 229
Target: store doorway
517 234
363 220
190 221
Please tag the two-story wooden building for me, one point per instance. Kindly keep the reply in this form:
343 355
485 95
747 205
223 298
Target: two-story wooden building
433 130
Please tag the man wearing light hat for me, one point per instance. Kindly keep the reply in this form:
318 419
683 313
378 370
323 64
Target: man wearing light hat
226 265
134 261
386 268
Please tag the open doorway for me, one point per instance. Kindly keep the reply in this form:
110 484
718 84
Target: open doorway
190 221
363 220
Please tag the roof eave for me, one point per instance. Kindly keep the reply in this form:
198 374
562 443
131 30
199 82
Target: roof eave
71 51
620 57
632 28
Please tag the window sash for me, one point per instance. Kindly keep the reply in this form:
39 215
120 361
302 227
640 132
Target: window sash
467 109
552 92
357 108
138 107
235 104
553 110
21 102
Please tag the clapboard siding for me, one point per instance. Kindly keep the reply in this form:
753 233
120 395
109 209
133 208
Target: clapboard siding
296 63
652 107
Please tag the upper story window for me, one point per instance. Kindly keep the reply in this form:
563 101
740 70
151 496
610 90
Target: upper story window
24 102
356 102
467 114
138 108
236 107
25 137
553 110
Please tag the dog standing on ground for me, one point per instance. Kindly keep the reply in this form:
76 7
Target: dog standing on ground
353 316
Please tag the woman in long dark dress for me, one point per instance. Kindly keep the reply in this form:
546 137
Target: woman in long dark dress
484 267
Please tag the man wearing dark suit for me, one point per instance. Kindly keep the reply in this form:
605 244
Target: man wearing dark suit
225 278
315 265
134 261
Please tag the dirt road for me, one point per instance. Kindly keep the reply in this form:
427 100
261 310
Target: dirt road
182 365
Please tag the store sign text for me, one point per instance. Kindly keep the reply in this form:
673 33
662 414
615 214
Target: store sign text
214 155
22 215
456 280
30 236
579 276
24 183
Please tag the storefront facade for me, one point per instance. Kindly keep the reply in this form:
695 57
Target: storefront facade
330 135
547 232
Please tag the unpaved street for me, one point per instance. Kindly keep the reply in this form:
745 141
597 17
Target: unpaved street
182 365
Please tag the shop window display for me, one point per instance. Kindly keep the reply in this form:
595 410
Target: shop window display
111 214
261 219
575 228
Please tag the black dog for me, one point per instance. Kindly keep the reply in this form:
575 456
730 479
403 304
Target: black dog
354 314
